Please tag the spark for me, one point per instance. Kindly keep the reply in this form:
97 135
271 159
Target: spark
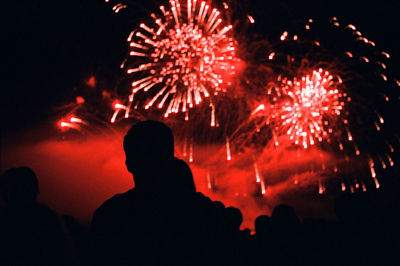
228 150
356 183
321 188
67 124
373 173
386 54
118 7
284 36
350 26
349 54
364 188
76 120
191 152
209 185
343 186
271 56
257 172
251 19
263 188
185 147
390 160
119 107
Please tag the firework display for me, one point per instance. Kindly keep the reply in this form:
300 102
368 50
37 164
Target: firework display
320 100
179 58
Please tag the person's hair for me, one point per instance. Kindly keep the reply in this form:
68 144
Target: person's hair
151 136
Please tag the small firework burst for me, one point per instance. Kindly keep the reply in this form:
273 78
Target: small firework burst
306 108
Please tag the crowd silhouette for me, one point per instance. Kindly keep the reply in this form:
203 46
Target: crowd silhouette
163 220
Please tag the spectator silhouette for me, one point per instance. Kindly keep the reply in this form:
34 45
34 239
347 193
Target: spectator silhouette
237 241
285 235
261 241
162 220
32 234
235 218
284 216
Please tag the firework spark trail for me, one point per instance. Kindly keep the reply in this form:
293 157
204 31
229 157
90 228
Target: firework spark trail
117 7
181 57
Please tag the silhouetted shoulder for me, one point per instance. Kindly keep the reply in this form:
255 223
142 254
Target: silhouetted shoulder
45 212
119 203
201 196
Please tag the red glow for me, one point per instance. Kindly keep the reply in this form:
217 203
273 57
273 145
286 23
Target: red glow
80 100
91 82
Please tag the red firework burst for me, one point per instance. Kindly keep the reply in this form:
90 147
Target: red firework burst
180 57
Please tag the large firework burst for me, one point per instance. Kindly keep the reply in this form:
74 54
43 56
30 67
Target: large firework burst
180 57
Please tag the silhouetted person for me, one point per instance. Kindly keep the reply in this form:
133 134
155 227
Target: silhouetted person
284 216
237 241
261 242
285 226
19 187
234 217
31 233
162 220
79 236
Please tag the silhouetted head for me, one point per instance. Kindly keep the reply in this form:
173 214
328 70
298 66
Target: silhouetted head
148 146
262 224
19 186
284 215
180 177
234 217
219 205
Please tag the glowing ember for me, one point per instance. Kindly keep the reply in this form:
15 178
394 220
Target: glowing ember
181 57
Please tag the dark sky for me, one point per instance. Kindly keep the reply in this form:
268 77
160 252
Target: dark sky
53 46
